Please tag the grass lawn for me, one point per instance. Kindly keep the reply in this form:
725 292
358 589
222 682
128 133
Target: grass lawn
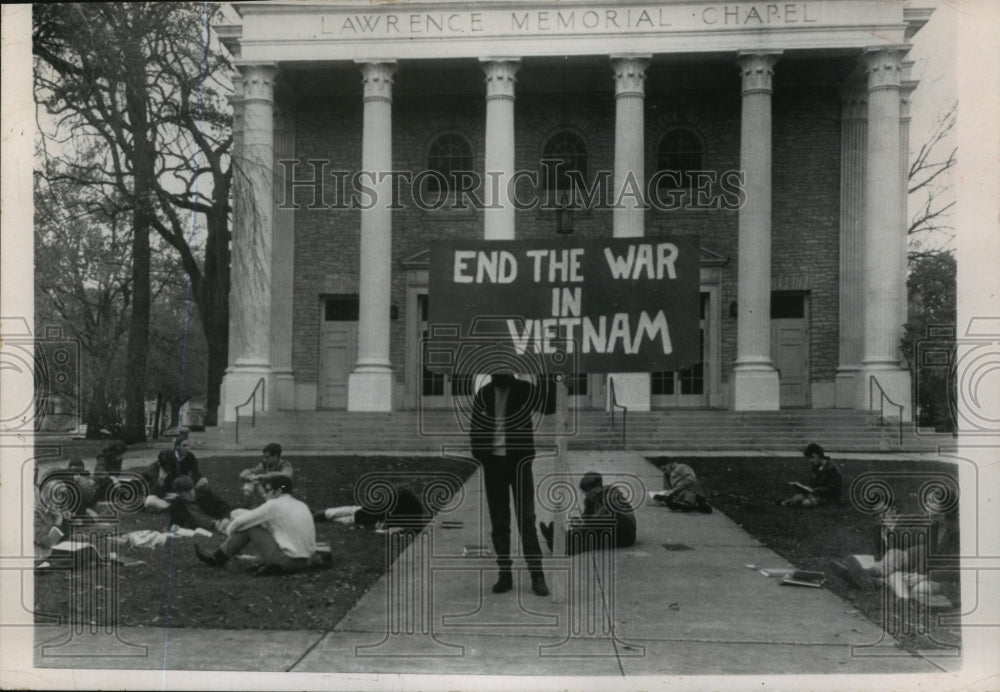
746 489
174 588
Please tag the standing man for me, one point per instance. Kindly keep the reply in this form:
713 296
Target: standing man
502 437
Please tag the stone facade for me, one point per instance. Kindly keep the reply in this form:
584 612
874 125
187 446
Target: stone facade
768 110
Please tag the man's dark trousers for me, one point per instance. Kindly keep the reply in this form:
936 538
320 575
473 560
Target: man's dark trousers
505 476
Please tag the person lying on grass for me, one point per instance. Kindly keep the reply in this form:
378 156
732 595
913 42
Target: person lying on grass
682 491
607 518
281 531
921 571
272 462
406 512
824 483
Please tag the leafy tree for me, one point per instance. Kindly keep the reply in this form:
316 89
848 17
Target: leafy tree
138 87
929 338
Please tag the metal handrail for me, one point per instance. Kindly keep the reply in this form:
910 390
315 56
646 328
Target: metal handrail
262 386
881 405
615 404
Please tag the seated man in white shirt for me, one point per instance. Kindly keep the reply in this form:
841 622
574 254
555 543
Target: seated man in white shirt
281 530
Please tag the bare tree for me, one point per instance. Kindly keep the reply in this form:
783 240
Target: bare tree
928 182
140 86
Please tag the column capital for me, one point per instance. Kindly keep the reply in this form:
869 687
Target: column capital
884 65
630 74
500 76
854 101
377 79
757 70
258 81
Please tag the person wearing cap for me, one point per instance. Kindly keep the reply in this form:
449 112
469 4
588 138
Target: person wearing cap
281 531
502 440
824 483
271 462
607 521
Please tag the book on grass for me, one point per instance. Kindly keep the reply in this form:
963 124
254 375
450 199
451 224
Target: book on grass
126 561
801 577
800 486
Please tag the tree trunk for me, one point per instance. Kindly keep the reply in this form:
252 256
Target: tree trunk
143 216
214 302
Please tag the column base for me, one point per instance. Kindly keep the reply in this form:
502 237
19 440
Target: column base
756 388
895 382
631 390
845 387
370 390
284 390
237 385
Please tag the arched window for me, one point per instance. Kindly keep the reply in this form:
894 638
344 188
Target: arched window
447 155
563 153
681 152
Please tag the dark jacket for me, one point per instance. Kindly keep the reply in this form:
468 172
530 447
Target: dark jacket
826 480
187 466
523 401
608 502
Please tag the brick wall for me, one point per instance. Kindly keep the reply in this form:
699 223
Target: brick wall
805 193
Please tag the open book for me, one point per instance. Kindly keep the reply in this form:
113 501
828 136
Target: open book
801 486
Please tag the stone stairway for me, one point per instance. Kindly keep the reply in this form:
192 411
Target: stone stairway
700 430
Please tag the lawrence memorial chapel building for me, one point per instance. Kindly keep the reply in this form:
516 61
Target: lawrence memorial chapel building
775 132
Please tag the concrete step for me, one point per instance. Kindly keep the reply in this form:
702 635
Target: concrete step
694 429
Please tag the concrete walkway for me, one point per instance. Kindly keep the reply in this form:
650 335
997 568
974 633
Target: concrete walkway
690 608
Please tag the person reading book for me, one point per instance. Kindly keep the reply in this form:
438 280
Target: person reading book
824 483
681 490
925 570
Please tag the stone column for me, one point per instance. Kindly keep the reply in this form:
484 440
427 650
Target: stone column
885 232
283 265
628 218
907 86
499 216
250 278
369 387
853 136
755 381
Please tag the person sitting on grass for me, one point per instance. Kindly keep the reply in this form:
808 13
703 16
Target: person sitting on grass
605 512
922 571
824 483
176 485
108 469
407 512
281 531
270 463
682 491
79 485
51 521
